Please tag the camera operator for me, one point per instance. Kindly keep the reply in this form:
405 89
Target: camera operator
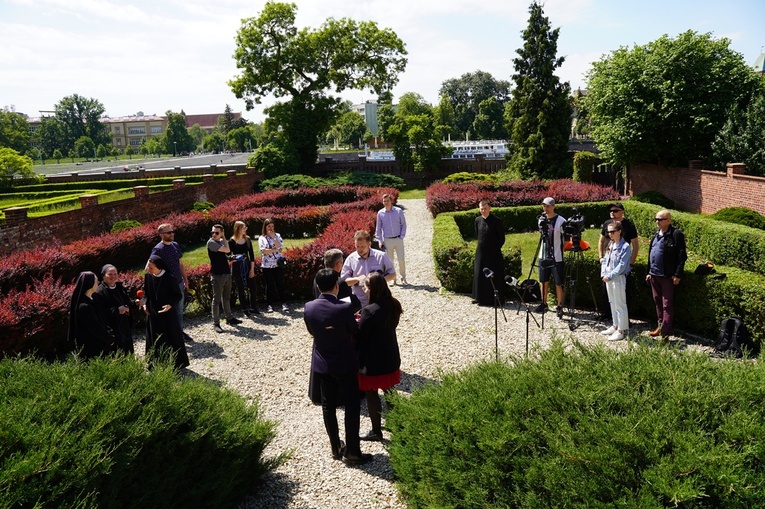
630 235
551 254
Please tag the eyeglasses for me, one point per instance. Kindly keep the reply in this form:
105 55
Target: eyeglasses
612 231
614 211
214 233
660 219
168 233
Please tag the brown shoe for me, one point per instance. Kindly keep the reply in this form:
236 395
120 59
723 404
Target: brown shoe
656 332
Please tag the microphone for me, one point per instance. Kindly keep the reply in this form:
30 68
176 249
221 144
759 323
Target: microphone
511 281
487 272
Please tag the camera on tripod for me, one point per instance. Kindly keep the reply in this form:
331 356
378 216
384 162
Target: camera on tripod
573 227
543 224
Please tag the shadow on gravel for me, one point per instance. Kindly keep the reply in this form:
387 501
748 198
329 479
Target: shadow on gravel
275 491
423 288
205 350
411 382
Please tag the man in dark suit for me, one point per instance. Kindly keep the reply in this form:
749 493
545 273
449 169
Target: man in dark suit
331 323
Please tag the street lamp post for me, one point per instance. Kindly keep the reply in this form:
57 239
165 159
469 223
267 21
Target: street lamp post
175 148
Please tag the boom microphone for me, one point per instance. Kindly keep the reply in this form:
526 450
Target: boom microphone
487 272
511 281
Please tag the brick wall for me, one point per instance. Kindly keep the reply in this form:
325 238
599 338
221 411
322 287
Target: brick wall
20 232
697 190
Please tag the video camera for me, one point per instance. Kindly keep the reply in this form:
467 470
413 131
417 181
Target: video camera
543 224
573 227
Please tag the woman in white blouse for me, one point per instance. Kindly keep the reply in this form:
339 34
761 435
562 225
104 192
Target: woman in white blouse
272 262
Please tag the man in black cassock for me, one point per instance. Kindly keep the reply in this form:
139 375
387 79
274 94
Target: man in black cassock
490 233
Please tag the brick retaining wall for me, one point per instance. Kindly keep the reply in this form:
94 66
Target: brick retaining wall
20 232
697 190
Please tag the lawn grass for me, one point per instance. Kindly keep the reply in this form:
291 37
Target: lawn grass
528 243
412 194
197 254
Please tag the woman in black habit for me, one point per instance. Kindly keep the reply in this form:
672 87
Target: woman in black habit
113 301
87 329
490 233
161 294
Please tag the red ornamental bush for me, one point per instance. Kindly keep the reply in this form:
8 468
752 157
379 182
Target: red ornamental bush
453 197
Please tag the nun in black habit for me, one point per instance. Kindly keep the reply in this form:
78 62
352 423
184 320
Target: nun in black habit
163 331
490 233
113 301
87 329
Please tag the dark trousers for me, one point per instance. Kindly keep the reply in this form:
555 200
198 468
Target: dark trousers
274 285
336 390
242 281
663 290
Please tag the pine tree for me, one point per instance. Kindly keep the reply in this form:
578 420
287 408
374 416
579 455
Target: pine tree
539 114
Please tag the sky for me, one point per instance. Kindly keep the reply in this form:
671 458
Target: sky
158 55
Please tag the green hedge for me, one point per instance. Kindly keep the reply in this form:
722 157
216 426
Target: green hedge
112 434
719 242
582 428
454 257
701 302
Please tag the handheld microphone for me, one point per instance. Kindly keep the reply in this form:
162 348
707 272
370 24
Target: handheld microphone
511 281
487 272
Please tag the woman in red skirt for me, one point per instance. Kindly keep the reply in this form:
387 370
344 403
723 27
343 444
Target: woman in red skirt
379 358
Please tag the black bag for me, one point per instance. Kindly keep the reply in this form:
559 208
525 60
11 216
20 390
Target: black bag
281 262
704 268
733 337
530 291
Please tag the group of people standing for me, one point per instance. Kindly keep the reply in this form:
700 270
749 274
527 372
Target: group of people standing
617 251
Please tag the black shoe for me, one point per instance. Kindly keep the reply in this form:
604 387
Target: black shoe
354 460
233 321
217 328
372 436
474 301
254 311
559 311
542 308
187 338
340 452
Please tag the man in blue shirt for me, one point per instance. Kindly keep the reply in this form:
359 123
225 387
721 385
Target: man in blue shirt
170 252
666 262
390 232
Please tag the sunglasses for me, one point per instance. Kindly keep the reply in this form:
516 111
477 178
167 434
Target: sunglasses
612 231
616 210
168 233
214 233
660 219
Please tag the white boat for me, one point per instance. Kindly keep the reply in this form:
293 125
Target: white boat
490 149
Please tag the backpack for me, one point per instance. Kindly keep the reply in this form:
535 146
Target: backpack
733 336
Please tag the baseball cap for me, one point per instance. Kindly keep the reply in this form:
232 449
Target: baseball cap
616 205
548 201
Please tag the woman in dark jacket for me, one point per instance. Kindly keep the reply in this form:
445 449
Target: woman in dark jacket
113 301
379 358
87 329
243 269
163 331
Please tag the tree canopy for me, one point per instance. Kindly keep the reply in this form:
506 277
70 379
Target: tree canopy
13 164
666 101
177 138
539 113
305 66
14 131
80 116
466 94
742 139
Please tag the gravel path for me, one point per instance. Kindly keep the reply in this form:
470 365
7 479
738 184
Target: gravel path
268 359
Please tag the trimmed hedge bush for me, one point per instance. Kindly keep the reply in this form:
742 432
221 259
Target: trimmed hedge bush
741 215
646 427
109 433
654 198
466 176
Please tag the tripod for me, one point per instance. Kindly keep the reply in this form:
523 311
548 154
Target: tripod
575 262
497 305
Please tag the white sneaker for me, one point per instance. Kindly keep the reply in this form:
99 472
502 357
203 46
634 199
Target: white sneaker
616 336
403 281
608 331
285 308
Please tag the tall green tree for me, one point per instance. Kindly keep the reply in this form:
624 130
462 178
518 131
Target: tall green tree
467 92
304 67
412 130
84 147
51 135
444 118
14 165
197 134
81 117
349 129
14 131
177 138
665 102
742 139
229 121
214 142
489 124
539 113
241 139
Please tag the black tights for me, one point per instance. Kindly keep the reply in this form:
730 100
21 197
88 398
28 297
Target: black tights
374 405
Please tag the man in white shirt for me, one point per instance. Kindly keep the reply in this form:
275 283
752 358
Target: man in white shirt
390 232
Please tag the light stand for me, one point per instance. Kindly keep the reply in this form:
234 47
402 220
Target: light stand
512 283
574 261
497 305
